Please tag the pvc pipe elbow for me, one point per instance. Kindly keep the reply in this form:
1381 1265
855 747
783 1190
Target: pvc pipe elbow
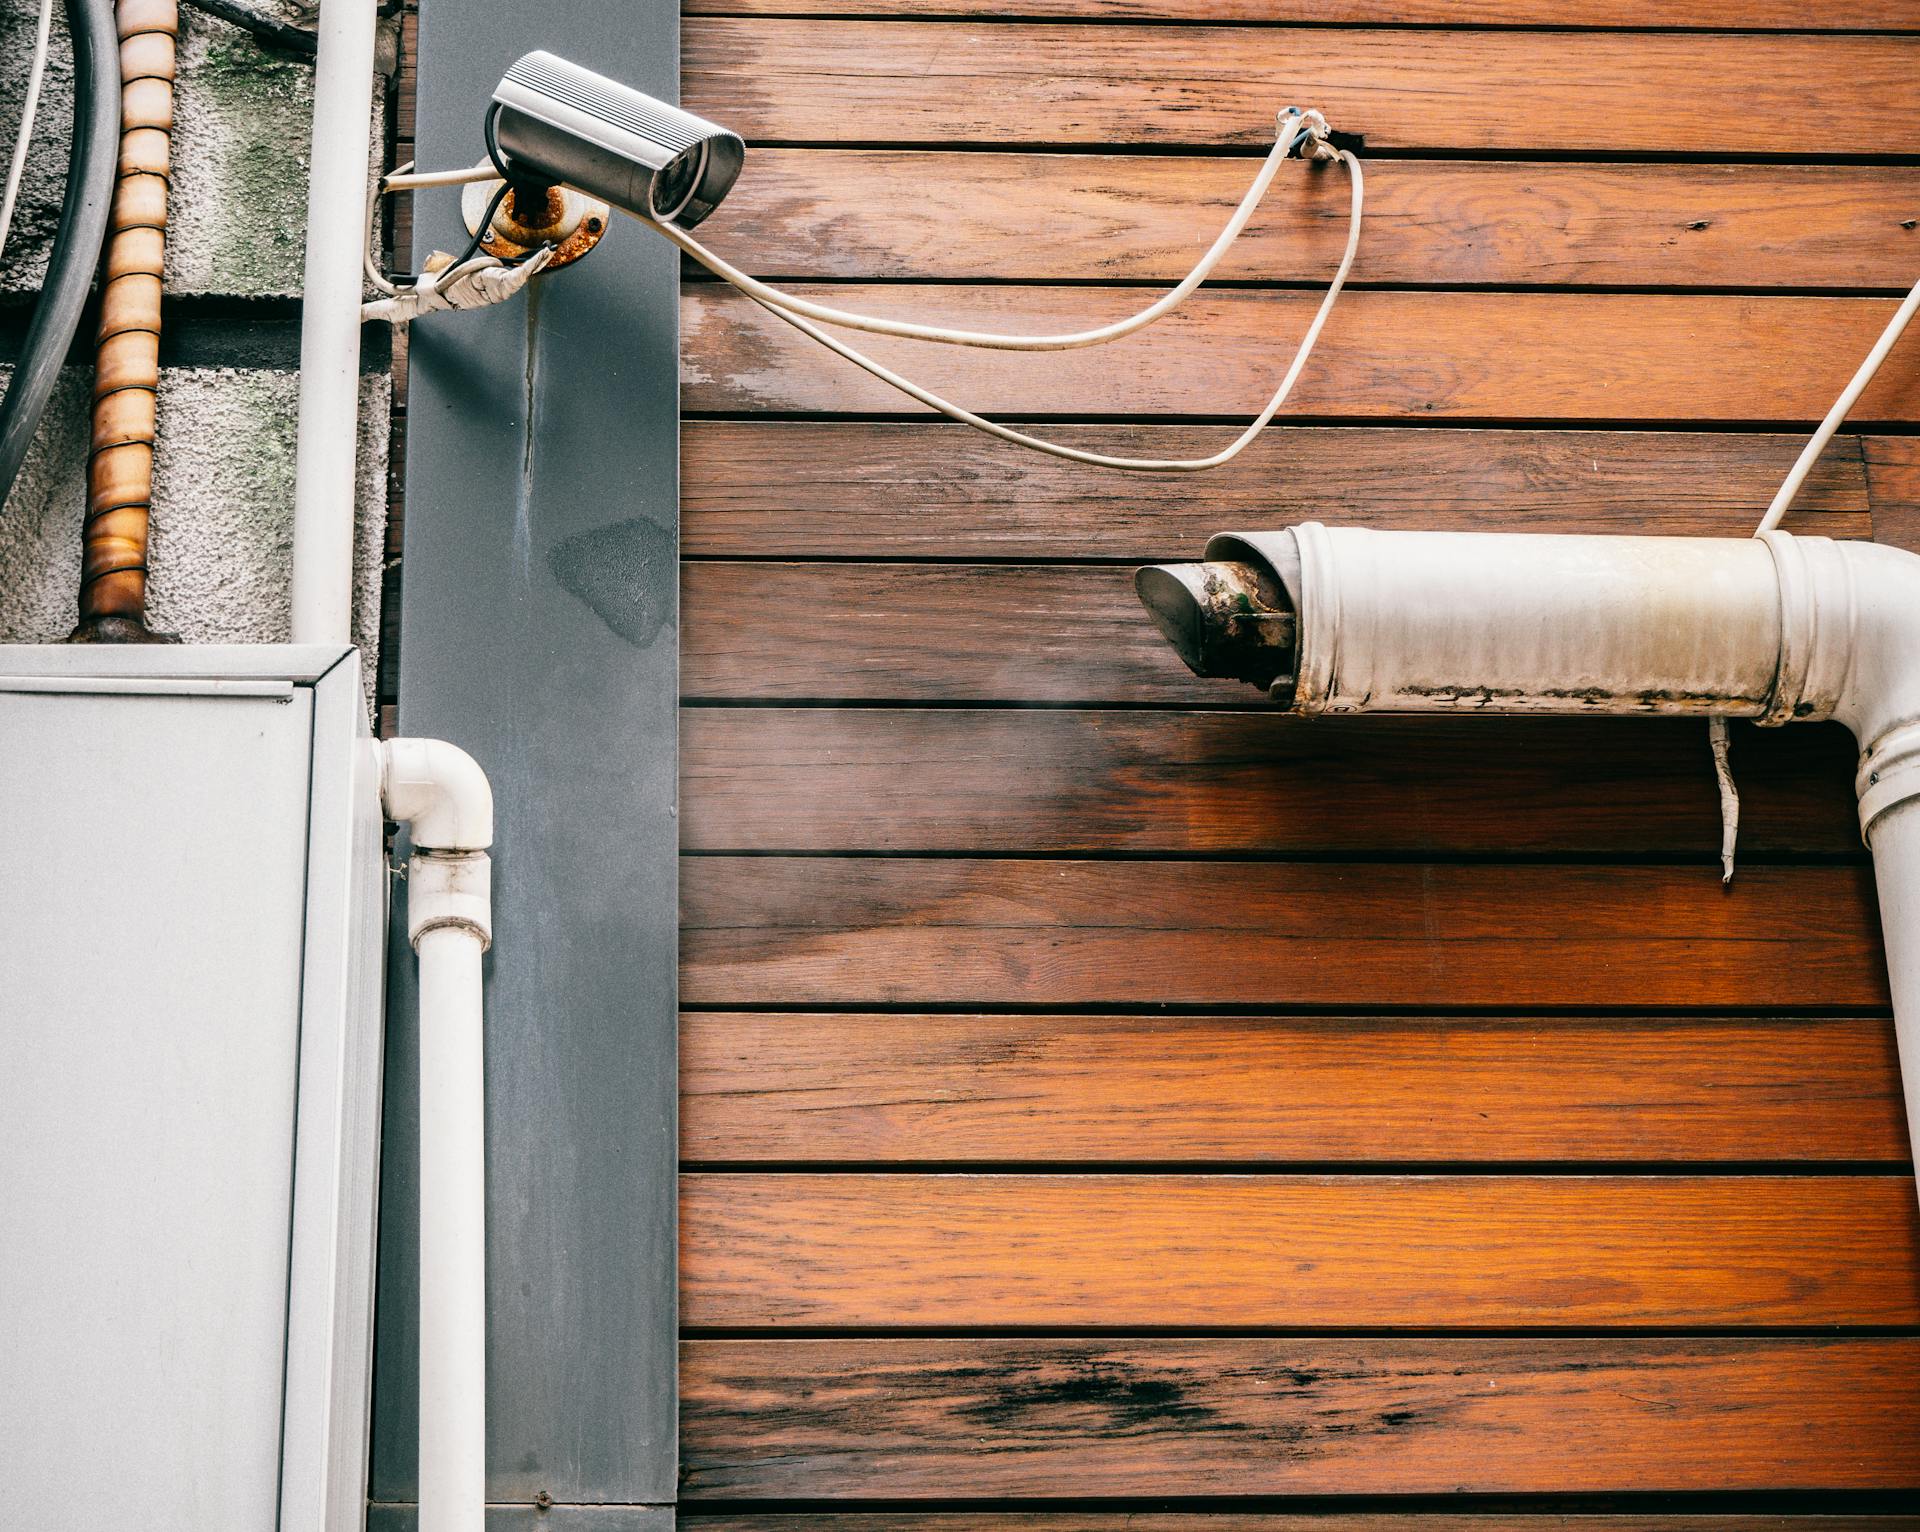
439 792
1876 656
1879 688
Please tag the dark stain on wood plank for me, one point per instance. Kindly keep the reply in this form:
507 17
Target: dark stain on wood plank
903 1419
777 1088
959 779
1539 356
872 82
927 489
862 214
805 930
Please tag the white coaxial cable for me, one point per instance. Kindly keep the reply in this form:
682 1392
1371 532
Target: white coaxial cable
1295 127
36 72
1096 459
1809 454
404 178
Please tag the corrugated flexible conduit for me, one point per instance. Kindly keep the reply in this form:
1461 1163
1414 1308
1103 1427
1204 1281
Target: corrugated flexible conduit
113 572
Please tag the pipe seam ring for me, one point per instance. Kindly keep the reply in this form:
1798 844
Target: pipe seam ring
479 926
1319 617
1796 629
1889 775
449 889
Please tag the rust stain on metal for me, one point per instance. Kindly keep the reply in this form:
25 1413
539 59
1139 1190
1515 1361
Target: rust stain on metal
514 236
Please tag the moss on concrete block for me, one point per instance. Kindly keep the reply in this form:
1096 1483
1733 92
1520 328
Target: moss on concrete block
242 120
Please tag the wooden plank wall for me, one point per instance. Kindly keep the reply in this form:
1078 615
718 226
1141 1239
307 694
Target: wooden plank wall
1108 1104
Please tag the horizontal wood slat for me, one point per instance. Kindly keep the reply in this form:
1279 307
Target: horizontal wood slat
776 1088
865 214
930 489
1329 1252
1493 356
1781 15
903 1420
1272 1521
1894 481
808 930
952 632
878 82
956 780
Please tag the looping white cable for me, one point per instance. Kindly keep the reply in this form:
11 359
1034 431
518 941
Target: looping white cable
1295 129
1101 460
30 105
402 178
1312 134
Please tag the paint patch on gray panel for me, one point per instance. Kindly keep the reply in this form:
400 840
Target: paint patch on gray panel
608 567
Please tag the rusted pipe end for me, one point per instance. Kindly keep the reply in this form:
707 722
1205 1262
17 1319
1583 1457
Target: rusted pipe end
118 630
1223 619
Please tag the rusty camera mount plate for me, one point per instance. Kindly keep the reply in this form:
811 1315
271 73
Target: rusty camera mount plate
571 220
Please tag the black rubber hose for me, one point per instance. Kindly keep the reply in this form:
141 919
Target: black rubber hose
270 30
83 229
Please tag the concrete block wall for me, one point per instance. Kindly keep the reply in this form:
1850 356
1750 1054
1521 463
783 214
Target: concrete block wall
223 490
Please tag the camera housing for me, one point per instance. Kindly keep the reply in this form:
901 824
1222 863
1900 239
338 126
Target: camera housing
563 124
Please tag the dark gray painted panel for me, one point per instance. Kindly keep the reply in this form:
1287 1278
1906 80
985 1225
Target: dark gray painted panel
539 630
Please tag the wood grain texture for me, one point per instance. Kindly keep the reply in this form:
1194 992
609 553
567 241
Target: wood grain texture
951 632
848 933
930 489
878 1089
765 1251
910 82
1384 355
1272 1521
958 780
905 1420
1864 15
1894 478
861 214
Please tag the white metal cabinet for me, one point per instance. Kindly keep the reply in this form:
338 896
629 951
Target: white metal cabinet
192 910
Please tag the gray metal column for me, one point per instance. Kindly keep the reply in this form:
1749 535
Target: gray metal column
540 631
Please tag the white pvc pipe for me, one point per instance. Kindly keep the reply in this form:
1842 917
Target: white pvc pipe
323 494
1895 839
443 795
1776 628
453 1212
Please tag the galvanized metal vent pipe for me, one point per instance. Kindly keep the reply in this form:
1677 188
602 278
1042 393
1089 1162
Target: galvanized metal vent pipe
1774 628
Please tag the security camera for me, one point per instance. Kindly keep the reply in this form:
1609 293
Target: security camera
563 124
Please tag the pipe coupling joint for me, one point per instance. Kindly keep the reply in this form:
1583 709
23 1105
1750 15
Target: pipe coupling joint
450 888
1889 775
1816 628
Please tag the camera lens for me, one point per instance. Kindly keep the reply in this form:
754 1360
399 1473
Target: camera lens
675 183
